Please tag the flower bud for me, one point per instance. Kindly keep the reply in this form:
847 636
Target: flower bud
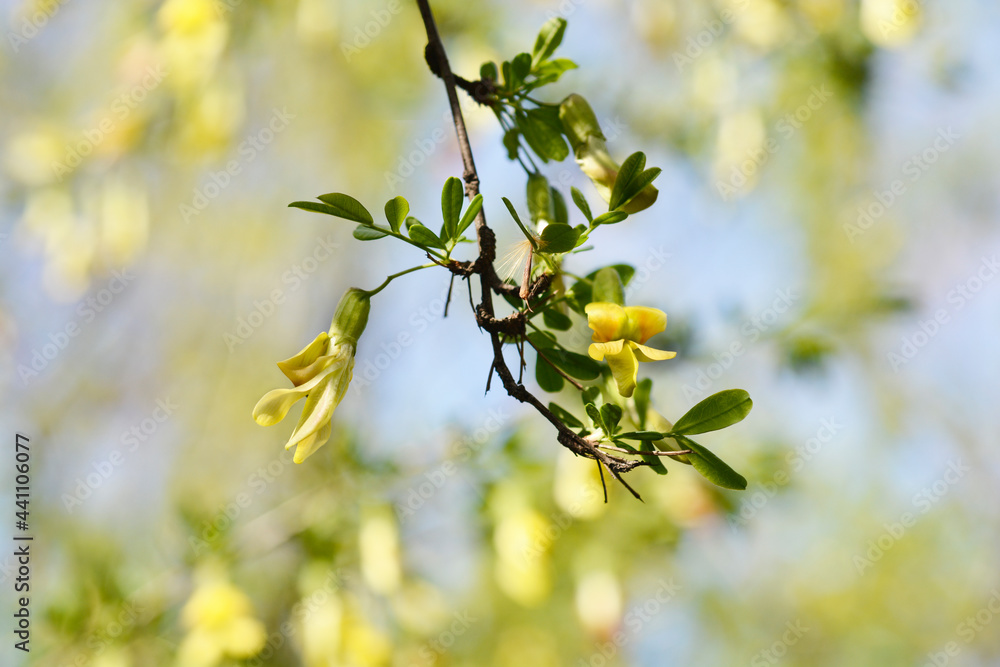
591 151
578 120
351 318
540 202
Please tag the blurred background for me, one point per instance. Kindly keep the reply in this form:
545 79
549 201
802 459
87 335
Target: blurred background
825 238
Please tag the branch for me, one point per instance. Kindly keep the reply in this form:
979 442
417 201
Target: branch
483 266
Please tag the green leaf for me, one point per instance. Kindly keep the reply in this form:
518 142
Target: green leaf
424 236
548 40
590 395
555 320
559 206
517 219
347 207
609 218
641 397
544 138
595 415
314 207
470 214
715 412
641 435
541 340
582 291
365 233
637 185
576 365
654 462
631 167
451 207
611 414
581 203
488 70
711 466
565 415
551 71
608 287
547 377
520 67
558 237
511 142
396 210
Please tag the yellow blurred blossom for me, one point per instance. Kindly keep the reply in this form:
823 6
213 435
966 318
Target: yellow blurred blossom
220 623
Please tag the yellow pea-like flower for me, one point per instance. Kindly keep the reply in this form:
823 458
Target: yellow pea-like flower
619 334
320 373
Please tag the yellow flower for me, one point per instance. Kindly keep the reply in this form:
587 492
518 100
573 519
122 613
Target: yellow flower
321 373
619 334
220 623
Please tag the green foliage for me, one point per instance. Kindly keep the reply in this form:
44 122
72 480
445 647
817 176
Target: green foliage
715 412
540 131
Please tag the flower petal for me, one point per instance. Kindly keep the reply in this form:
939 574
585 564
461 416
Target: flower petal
644 323
305 358
322 401
308 446
275 404
598 350
645 353
624 368
299 376
608 320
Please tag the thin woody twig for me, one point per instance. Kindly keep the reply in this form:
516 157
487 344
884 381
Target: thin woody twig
488 279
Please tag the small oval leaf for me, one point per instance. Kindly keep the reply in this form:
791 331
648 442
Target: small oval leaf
396 210
557 238
347 207
365 233
715 412
712 467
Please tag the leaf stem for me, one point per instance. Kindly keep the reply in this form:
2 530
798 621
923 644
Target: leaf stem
392 277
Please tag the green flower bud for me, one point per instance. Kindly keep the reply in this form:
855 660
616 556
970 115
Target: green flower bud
608 287
591 151
351 318
540 201
578 120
